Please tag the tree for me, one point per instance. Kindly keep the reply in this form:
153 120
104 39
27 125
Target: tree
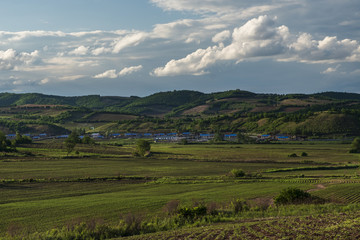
355 146
71 141
142 147
19 139
5 144
69 146
88 140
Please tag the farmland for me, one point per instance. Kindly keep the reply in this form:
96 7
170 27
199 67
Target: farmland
43 187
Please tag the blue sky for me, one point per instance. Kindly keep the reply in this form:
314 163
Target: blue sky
128 47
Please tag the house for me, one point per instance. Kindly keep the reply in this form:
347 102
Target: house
115 135
11 136
282 138
62 136
230 137
147 135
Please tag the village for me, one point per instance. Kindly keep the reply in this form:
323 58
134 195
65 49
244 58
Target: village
169 137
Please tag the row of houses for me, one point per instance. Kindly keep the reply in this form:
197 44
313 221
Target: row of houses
165 137
268 137
33 136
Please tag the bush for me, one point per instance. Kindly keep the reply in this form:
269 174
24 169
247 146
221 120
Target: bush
22 139
142 147
171 207
292 196
292 155
88 140
304 154
238 205
237 172
192 213
355 146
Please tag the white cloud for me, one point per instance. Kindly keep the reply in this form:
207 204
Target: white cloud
209 6
328 50
125 71
221 36
107 74
193 64
100 50
130 70
44 81
128 41
71 78
11 60
260 38
80 51
331 70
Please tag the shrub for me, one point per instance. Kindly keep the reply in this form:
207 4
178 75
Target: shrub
260 203
292 155
237 172
88 140
142 147
292 196
183 142
192 213
212 208
22 139
304 154
355 146
238 205
171 207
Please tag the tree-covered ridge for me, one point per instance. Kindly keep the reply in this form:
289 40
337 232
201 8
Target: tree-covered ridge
90 101
174 102
321 114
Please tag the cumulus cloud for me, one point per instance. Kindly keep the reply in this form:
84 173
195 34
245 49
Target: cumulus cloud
125 71
221 36
259 38
80 51
330 49
11 60
193 64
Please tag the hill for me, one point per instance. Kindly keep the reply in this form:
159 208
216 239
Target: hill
319 114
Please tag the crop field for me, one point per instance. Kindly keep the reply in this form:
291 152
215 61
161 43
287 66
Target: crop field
42 187
336 226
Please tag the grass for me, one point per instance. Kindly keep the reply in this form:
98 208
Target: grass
54 205
47 189
323 226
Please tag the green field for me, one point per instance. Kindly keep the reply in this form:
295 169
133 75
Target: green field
42 188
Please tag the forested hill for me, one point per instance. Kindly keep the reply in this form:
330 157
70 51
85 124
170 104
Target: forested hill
191 102
319 114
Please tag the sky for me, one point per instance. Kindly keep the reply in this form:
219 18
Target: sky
140 47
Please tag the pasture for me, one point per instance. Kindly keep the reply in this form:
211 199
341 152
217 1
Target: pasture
42 187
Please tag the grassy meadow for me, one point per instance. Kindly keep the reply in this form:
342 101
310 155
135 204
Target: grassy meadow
42 187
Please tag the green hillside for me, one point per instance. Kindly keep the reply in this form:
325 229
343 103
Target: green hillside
320 114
